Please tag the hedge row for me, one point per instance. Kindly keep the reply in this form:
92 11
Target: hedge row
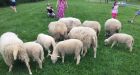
7 2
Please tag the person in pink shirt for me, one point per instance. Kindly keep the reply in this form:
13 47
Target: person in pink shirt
61 5
115 10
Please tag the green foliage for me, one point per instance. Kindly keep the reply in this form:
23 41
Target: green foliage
4 2
7 2
25 1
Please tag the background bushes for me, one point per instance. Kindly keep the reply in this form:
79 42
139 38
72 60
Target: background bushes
4 2
7 2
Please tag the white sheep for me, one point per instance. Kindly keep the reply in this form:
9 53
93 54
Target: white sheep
70 22
11 48
87 36
112 26
58 30
70 46
46 41
120 38
94 25
35 51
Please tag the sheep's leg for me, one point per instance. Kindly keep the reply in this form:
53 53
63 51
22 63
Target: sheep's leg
85 51
94 52
130 47
63 59
28 66
10 68
74 57
49 52
9 63
78 59
113 44
82 51
40 63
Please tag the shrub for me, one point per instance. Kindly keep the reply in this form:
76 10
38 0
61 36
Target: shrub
7 2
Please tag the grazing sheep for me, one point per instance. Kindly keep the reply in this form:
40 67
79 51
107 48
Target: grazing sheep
120 38
70 22
58 30
112 26
46 41
94 25
11 48
86 35
35 51
70 46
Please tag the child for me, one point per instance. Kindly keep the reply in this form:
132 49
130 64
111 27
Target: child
50 11
13 5
136 14
115 10
62 5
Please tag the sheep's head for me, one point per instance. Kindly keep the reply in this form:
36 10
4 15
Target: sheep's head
106 42
54 58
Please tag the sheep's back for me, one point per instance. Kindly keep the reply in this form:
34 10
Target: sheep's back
112 24
69 46
85 34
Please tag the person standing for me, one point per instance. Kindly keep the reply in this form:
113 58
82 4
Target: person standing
115 10
61 6
13 5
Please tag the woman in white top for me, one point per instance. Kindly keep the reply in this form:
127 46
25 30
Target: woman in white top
13 5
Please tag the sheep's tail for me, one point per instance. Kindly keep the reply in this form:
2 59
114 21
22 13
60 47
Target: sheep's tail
14 48
42 54
15 54
95 41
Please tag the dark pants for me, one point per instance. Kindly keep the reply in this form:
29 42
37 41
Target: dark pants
13 3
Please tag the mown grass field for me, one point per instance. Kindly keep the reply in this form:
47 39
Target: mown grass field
32 19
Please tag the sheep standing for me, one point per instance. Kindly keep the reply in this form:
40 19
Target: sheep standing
94 25
35 51
112 26
70 46
121 38
58 30
46 41
87 36
70 22
11 48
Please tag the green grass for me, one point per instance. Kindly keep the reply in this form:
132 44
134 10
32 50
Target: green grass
32 20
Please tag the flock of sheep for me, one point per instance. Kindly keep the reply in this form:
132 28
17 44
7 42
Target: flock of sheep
67 36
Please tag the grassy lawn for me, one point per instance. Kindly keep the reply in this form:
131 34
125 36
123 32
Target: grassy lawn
31 20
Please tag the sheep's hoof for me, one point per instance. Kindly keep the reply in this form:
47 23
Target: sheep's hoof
30 73
40 67
130 51
77 63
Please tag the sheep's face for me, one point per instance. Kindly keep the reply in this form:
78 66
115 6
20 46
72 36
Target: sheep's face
54 58
106 42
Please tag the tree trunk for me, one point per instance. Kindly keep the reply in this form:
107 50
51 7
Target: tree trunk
106 1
